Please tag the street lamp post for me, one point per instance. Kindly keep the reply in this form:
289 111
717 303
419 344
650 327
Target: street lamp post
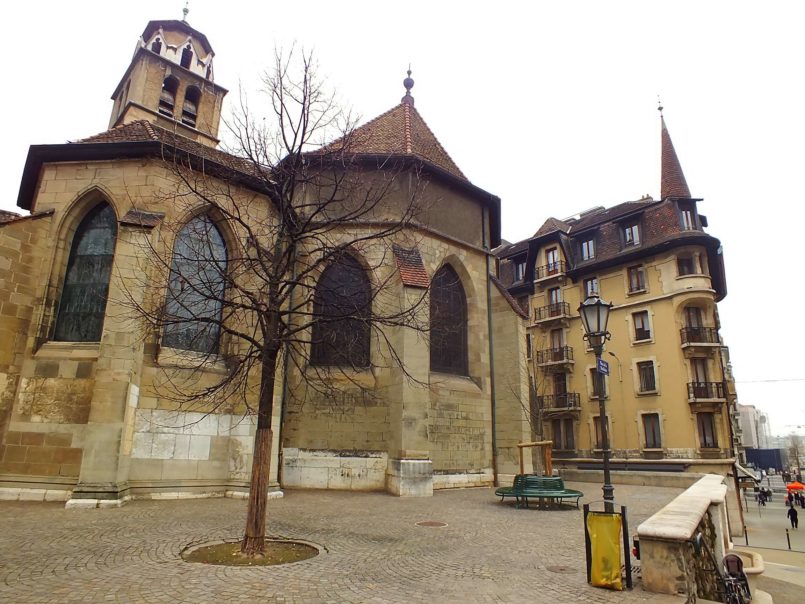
594 316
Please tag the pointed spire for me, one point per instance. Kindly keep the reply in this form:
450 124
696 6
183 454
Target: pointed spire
672 179
408 83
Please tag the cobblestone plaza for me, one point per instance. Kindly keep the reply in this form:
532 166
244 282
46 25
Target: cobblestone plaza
373 550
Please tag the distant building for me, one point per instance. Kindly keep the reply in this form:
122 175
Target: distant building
754 427
669 388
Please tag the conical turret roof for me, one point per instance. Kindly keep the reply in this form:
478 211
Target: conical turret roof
672 179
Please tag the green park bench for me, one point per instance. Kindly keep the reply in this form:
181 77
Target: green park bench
543 488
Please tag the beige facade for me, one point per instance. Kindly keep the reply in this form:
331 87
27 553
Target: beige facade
94 422
668 393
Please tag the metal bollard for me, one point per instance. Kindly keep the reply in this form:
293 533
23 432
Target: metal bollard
746 535
788 538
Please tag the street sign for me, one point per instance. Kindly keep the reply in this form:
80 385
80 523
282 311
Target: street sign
603 367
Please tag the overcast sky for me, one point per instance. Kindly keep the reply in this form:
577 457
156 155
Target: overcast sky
549 105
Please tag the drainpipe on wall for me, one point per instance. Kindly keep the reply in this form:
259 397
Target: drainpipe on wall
485 239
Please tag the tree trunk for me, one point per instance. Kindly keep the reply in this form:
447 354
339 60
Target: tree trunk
254 540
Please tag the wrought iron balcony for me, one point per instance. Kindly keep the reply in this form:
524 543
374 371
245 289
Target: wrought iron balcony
569 401
552 312
550 356
699 335
550 270
709 391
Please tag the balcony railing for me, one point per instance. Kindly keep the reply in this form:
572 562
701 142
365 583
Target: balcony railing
568 401
705 390
563 354
552 311
699 335
552 269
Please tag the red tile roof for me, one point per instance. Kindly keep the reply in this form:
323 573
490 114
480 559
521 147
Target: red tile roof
145 131
412 269
399 131
672 179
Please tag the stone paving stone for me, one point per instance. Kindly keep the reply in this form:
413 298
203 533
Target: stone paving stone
373 550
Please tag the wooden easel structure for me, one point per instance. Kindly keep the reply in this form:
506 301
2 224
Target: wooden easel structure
546 455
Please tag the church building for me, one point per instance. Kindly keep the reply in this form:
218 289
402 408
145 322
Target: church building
84 414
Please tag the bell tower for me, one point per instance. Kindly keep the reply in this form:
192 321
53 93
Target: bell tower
169 82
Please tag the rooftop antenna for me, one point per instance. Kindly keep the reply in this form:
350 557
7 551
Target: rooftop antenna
185 10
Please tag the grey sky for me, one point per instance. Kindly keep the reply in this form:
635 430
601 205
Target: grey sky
551 106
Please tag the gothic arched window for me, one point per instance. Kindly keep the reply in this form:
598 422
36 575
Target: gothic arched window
342 309
196 288
448 323
82 305
167 98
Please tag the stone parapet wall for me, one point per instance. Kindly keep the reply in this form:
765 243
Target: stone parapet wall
670 562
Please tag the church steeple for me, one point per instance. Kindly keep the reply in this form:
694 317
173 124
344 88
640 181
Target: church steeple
672 179
170 83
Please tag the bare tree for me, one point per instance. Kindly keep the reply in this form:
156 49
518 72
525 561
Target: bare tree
795 449
250 267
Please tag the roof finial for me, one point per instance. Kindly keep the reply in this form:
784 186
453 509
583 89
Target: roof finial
408 83
185 10
659 105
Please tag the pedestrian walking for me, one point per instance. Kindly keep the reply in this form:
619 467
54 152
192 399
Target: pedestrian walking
793 516
790 500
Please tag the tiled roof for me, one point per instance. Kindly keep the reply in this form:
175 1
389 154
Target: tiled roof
672 179
551 225
144 131
412 269
512 249
607 214
399 131
509 298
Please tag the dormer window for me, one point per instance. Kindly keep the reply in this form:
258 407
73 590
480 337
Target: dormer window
687 216
187 56
167 98
519 270
631 234
156 46
190 106
588 249
552 260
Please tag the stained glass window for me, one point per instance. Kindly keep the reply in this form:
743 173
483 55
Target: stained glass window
82 305
448 323
342 310
196 288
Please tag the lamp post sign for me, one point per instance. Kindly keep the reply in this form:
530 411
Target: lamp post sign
603 530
